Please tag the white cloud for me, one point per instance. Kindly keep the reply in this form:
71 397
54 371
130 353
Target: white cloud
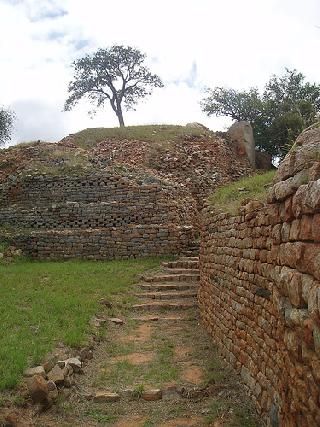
190 44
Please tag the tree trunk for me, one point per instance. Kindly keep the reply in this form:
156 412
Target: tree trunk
120 116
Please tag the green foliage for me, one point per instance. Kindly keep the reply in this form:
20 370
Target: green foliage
287 105
229 197
114 75
43 303
6 125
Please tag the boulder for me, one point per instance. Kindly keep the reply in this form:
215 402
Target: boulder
38 370
196 125
38 389
75 364
241 136
56 375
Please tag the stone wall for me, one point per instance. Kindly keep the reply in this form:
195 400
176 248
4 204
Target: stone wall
96 216
260 289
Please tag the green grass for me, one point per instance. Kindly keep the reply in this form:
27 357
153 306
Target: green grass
234 415
43 303
153 133
230 197
101 416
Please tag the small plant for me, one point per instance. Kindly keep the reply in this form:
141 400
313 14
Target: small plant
138 391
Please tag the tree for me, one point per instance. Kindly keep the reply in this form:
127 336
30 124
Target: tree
114 75
287 105
6 124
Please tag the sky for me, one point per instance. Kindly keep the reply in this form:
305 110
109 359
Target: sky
190 44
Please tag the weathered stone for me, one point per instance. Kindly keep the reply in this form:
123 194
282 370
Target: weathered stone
86 354
116 321
38 389
38 370
52 389
56 375
241 136
75 364
152 395
106 396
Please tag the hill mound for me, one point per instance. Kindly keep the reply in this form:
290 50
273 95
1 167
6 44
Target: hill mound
193 158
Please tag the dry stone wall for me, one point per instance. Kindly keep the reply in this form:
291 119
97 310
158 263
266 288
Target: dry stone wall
96 216
260 289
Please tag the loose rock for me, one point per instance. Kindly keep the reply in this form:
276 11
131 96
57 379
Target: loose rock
151 395
38 389
38 370
116 320
56 375
106 396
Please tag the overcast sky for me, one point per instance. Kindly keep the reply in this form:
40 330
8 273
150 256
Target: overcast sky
189 43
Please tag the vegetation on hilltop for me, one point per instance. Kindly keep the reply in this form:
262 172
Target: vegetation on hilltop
286 107
116 76
149 133
230 197
6 124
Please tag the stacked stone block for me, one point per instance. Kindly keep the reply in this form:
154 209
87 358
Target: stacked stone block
260 289
101 216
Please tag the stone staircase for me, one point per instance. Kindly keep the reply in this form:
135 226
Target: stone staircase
175 287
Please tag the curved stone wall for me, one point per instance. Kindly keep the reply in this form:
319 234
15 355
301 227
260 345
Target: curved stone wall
96 216
260 289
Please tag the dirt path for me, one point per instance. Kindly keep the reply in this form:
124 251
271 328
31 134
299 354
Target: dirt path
158 368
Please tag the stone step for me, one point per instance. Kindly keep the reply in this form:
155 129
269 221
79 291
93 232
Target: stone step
173 278
189 258
181 264
161 318
167 295
163 286
192 253
165 305
170 270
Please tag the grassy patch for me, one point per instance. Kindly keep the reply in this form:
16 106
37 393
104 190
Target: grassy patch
232 415
101 416
229 197
43 303
153 133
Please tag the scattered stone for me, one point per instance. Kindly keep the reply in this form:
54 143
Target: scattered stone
38 370
53 391
69 381
170 391
38 390
98 321
49 363
116 320
105 302
67 370
146 319
106 396
152 395
75 364
86 354
56 375
11 420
